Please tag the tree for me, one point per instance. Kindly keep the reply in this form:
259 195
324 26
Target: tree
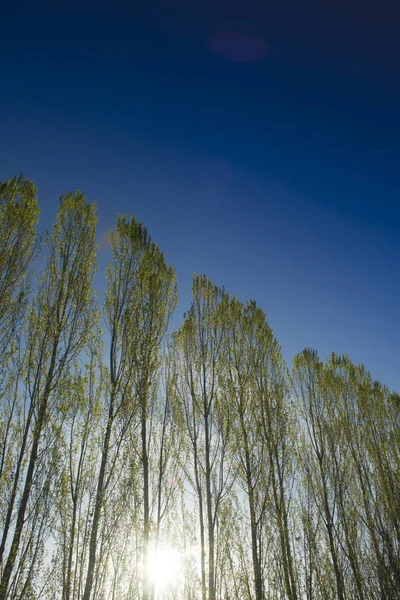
205 418
312 393
19 214
59 322
81 416
154 303
278 433
245 325
139 301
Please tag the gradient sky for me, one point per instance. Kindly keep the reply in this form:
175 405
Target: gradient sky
258 141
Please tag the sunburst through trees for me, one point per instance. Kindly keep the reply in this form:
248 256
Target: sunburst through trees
194 465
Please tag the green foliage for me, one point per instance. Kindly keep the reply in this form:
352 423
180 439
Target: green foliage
269 483
19 214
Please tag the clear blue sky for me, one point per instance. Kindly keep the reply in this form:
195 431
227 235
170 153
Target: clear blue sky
258 141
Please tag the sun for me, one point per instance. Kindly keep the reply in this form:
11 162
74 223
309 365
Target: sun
164 567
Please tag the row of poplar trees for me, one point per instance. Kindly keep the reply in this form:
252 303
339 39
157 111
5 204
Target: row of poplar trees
117 437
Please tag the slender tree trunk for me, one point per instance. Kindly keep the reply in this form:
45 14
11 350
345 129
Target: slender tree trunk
146 504
329 526
354 564
13 496
284 539
202 550
202 528
75 495
210 517
253 521
286 532
67 590
98 504
9 566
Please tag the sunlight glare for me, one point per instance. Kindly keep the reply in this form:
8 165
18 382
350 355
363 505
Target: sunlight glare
164 567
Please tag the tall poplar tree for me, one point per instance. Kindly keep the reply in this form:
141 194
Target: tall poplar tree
140 297
205 420
60 320
245 324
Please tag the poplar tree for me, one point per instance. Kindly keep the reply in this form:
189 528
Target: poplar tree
205 420
245 323
139 301
60 320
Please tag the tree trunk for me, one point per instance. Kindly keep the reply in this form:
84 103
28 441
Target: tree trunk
98 504
9 566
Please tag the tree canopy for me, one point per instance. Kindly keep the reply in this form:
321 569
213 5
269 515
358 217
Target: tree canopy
140 463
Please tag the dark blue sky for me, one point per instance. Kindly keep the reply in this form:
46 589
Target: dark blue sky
258 141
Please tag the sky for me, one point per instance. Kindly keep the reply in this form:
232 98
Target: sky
257 140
